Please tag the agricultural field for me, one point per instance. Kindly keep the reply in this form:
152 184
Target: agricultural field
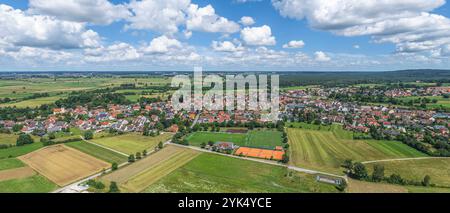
10 163
8 138
33 184
32 103
17 173
137 176
323 150
133 142
98 152
215 173
20 150
63 165
441 101
266 139
437 169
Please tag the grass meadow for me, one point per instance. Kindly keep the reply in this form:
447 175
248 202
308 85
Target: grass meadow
133 142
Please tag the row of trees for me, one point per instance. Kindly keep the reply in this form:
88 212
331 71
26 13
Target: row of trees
359 171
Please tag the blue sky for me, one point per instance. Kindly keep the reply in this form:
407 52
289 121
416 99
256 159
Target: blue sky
280 35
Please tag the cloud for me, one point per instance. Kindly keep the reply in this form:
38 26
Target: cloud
162 44
162 16
21 29
409 24
247 21
258 36
225 46
321 56
356 46
205 19
115 52
166 16
294 44
100 12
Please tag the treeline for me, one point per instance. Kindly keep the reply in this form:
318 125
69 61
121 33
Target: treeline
333 79
359 171
92 99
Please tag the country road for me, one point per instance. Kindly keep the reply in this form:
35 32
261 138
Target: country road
402 159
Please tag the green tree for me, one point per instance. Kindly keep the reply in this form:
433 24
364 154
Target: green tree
359 171
17 127
203 145
160 145
348 164
285 159
131 158
89 135
24 139
114 166
113 188
138 155
144 153
342 186
378 173
426 180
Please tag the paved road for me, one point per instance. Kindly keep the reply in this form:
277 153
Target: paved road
195 120
308 171
402 159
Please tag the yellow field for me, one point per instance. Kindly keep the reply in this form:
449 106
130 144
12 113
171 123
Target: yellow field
63 165
138 176
355 186
133 142
17 173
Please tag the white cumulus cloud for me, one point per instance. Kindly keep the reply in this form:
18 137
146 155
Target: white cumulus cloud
321 56
100 12
294 44
247 21
162 44
205 19
225 46
258 36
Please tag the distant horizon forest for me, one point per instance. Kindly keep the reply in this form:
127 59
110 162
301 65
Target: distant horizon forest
287 79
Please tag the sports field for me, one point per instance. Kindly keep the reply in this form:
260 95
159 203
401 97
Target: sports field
137 176
323 150
133 142
98 152
266 139
437 169
215 173
63 165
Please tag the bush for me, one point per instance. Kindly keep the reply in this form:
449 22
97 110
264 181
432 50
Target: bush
24 139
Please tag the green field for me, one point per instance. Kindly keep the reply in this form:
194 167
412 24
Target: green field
34 102
98 152
10 163
267 139
215 173
133 142
437 169
19 150
33 184
323 150
8 138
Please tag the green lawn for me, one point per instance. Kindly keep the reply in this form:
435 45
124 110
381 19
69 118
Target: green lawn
34 102
323 150
215 173
10 163
20 150
133 142
98 152
197 138
437 169
264 139
267 139
33 184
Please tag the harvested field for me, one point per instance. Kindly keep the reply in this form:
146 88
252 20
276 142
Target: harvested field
355 186
63 165
17 173
136 177
260 153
